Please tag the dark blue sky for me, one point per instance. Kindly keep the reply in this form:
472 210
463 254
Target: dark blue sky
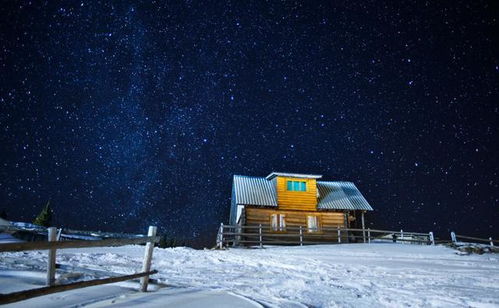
139 112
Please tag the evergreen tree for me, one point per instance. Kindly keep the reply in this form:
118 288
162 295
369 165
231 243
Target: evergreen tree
45 217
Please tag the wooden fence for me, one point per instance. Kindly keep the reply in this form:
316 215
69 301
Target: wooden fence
52 245
66 234
455 238
234 235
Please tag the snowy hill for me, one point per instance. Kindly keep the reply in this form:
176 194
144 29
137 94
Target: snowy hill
350 275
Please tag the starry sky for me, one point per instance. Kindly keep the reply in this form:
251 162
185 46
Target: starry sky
133 113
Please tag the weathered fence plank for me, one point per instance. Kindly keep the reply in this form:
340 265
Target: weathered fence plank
24 246
52 235
363 228
260 237
146 265
52 245
432 238
221 234
474 238
23 295
301 236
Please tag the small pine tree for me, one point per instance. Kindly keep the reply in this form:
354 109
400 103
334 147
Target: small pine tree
45 217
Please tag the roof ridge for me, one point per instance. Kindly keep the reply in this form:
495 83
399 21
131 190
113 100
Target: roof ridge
249 176
336 182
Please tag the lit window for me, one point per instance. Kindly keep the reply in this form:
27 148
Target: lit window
296 186
278 222
312 224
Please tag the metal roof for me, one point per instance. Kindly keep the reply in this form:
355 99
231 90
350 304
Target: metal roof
254 191
332 195
293 175
341 196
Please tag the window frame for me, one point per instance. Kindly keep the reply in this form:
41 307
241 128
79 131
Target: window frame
317 228
279 223
296 186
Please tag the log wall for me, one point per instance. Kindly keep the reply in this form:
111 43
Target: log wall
256 216
296 200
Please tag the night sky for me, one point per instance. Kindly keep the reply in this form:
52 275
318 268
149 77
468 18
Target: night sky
138 113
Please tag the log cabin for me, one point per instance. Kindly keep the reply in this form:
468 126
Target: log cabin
281 201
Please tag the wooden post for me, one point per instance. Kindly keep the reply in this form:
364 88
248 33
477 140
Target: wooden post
52 235
369 235
432 238
491 242
260 235
339 235
238 237
347 225
236 231
453 237
301 236
363 227
59 232
402 236
221 234
146 265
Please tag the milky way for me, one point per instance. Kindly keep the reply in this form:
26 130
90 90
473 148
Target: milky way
137 113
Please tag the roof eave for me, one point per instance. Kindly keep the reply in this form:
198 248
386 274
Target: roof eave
292 175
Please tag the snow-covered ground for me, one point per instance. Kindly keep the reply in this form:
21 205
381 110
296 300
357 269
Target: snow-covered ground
350 275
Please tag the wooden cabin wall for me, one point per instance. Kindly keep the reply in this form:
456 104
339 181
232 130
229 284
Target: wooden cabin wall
296 200
256 216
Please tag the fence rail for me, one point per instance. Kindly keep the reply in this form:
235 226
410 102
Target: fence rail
23 295
455 238
66 233
52 245
233 235
26 246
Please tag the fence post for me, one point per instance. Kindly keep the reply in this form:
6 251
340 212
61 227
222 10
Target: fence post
146 265
363 228
491 242
453 237
260 235
339 235
221 232
402 236
218 237
432 238
369 235
52 235
301 236
237 230
58 237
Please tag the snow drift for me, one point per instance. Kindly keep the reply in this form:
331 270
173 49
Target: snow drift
350 275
